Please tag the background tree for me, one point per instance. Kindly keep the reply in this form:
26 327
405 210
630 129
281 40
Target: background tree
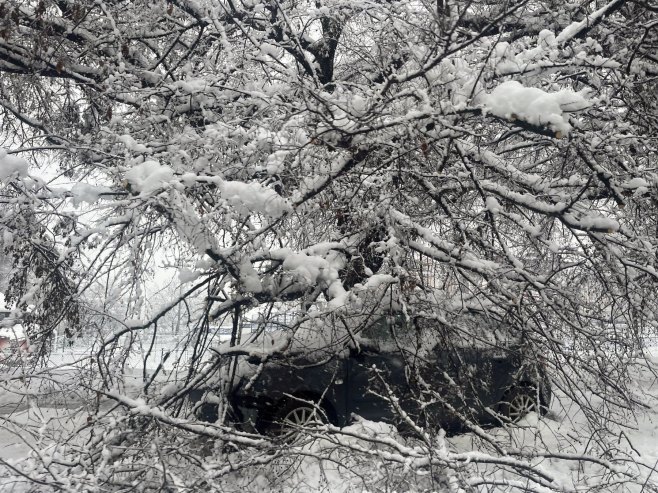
318 153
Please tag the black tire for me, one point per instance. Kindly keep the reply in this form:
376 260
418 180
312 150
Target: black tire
519 402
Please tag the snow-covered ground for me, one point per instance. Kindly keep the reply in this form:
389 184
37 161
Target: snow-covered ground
569 451
564 446
30 432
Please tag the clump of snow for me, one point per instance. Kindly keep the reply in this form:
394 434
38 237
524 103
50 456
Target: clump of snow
249 279
639 186
342 121
271 50
492 205
358 105
275 161
635 183
573 29
131 144
83 192
546 38
310 269
594 221
248 198
187 275
513 101
148 177
12 166
192 85
170 389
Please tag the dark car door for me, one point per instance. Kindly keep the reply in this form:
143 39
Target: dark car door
372 376
382 373
470 375
459 379
436 382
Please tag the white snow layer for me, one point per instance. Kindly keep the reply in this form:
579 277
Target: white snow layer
11 165
248 198
149 176
83 192
573 29
311 268
512 101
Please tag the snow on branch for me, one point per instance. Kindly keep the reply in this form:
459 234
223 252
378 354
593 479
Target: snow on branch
512 101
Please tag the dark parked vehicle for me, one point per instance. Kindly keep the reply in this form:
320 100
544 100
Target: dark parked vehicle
394 368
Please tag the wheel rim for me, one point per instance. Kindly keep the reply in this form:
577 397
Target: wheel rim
520 406
301 417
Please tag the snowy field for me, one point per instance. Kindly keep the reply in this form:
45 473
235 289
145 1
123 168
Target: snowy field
562 444
550 440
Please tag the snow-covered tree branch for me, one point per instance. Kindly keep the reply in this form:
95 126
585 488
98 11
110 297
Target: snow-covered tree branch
180 167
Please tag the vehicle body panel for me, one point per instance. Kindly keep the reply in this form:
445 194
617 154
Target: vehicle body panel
433 384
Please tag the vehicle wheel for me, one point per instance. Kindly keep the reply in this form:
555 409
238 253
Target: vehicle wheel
519 402
294 416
